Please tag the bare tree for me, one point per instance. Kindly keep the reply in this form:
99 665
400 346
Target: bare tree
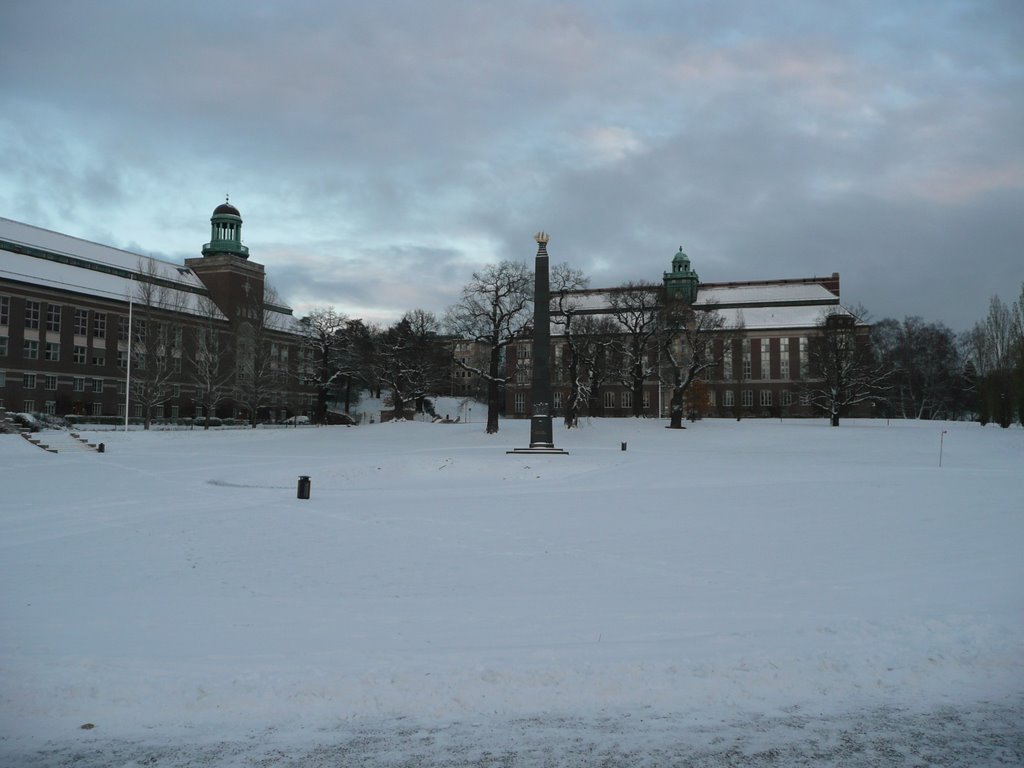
494 309
411 360
323 341
156 344
844 370
210 360
689 339
567 316
927 380
261 368
636 308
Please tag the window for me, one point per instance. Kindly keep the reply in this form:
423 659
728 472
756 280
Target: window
729 398
711 397
627 399
176 390
53 317
805 398
786 397
97 385
747 398
31 314
97 409
81 321
174 411
98 357
784 359
3 379
31 350
766 397
5 310
122 388
804 360
120 410
3 346
137 410
647 400
78 385
51 383
522 373
727 362
28 380
29 406
51 407
78 355
99 325
122 358
122 328
52 351
556 400
746 359
520 402
609 399
766 359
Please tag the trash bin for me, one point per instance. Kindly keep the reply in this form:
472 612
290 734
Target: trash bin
304 484
623 446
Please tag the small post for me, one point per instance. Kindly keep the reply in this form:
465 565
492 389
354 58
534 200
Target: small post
304 485
940 445
623 446
101 448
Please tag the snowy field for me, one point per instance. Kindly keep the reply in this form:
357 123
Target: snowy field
739 593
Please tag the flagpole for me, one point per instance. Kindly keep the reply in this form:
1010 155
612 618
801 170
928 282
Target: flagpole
128 371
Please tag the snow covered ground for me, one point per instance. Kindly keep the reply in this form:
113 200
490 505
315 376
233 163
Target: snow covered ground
739 593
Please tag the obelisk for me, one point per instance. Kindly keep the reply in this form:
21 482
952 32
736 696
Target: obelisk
541 434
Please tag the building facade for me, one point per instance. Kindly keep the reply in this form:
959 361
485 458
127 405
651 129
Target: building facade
762 365
92 330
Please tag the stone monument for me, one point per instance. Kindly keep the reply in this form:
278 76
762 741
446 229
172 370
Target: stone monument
541 433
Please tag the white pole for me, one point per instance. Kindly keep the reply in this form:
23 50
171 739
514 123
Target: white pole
940 445
128 370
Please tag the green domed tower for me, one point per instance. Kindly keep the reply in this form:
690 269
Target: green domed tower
681 283
226 232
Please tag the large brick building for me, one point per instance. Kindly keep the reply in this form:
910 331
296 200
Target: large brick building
763 372
205 335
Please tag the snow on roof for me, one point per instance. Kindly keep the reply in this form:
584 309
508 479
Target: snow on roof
104 271
68 277
771 305
56 242
767 293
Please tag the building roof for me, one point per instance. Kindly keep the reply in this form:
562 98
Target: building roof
42 257
762 305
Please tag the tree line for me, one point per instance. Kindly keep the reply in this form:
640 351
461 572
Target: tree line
938 374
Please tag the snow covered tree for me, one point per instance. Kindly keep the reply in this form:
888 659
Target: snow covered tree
843 368
496 305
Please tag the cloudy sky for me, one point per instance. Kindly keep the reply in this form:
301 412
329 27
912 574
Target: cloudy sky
380 152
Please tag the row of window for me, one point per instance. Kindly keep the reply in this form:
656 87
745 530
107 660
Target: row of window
624 400
54 312
33 318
